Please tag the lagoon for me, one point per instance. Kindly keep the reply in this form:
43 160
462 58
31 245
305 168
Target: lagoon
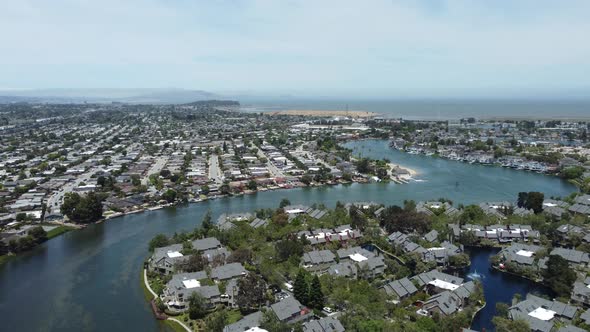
89 280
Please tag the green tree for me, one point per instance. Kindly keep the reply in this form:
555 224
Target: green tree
82 209
284 202
316 296
251 292
217 321
301 288
159 241
508 325
38 233
559 276
197 306
252 185
169 195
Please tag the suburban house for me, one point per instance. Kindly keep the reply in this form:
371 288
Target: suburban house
401 288
325 324
369 264
289 310
247 323
318 260
339 234
581 292
574 257
227 272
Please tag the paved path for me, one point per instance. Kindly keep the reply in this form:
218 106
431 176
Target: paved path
147 284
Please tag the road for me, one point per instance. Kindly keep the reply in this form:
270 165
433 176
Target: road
54 201
156 168
274 170
215 173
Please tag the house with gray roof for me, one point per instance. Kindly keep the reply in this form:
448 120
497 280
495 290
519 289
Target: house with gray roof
448 302
342 233
206 244
343 269
369 265
166 259
585 317
246 323
542 314
318 260
180 288
437 281
401 288
257 223
289 310
325 324
431 236
581 292
573 256
521 254
227 272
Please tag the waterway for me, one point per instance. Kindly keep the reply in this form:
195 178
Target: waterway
89 280
497 287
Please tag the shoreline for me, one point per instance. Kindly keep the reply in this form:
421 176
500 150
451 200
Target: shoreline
325 113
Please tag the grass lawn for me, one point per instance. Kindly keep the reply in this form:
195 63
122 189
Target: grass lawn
58 231
233 316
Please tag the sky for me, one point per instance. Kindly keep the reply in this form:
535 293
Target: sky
406 48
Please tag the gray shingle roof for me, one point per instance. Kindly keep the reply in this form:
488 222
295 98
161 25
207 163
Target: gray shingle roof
401 288
247 322
326 324
228 271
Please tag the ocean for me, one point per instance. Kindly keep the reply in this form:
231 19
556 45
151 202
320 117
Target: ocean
435 109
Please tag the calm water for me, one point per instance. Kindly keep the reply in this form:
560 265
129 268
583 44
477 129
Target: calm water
497 287
88 280
436 108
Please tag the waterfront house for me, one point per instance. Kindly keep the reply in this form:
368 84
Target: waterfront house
179 289
435 281
520 254
542 315
342 233
448 302
165 259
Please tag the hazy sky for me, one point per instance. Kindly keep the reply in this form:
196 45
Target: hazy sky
316 47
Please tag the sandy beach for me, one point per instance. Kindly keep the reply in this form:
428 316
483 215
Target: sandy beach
412 172
352 114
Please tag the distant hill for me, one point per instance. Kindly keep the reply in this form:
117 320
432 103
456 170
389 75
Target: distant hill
131 96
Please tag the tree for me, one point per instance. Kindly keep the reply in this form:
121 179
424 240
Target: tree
316 296
197 306
358 219
242 255
284 202
38 233
207 224
559 276
82 209
251 292
205 189
169 195
522 199
363 166
502 309
288 247
306 179
535 201
252 185
217 321
471 213
508 325
194 263
301 288
158 241
394 218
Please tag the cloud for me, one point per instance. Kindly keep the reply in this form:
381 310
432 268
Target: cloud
403 47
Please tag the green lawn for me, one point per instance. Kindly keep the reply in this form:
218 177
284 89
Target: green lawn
58 231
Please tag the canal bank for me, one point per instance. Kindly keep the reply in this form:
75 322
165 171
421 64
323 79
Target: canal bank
87 280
